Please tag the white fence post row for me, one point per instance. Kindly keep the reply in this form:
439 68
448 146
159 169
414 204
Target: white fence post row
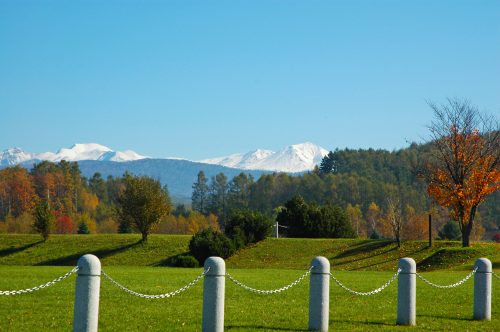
213 295
407 292
482 289
88 281
319 294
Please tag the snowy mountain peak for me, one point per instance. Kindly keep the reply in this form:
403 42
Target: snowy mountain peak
13 156
293 158
89 151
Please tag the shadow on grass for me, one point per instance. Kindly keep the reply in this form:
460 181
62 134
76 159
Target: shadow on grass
10 251
102 253
365 246
461 319
385 261
260 327
171 260
360 322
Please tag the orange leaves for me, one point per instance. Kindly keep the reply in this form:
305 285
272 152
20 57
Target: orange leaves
467 176
17 194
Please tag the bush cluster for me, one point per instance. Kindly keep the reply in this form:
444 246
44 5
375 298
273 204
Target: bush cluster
314 221
243 227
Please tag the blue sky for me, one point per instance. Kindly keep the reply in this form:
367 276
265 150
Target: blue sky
199 79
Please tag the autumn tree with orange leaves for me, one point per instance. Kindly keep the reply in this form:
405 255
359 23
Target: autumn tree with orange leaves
465 168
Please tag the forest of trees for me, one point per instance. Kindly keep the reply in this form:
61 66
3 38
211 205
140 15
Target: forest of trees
78 204
378 190
381 192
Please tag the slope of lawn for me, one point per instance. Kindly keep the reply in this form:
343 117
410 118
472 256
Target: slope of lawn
360 255
344 254
112 249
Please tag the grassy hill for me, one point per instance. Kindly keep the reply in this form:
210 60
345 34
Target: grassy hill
344 254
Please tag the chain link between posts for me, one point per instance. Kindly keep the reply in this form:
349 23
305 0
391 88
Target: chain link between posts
496 275
156 296
447 286
36 288
373 292
270 291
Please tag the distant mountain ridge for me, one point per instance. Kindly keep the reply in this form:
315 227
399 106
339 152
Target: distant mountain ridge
293 158
78 152
178 174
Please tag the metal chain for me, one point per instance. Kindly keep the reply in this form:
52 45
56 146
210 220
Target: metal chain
156 296
373 292
36 288
496 275
448 286
270 291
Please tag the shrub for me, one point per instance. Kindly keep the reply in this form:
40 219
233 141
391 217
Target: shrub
245 227
183 261
209 242
312 221
83 228
450 231
375 235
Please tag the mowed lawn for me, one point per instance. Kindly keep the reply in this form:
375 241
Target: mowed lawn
51 309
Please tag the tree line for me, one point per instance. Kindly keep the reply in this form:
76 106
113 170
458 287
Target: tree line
72 203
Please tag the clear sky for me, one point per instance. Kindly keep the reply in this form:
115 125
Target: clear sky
199 79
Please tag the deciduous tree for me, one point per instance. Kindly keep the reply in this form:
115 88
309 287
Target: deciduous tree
465 168
143 204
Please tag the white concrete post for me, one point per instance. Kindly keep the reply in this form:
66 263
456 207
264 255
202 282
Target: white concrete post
213 295
276 225
319 294
407 292
482 290
88 281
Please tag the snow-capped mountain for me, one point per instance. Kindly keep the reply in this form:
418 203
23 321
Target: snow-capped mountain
293 158
77 152
14 156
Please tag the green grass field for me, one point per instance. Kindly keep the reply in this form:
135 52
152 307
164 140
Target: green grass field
344 254
52 308
360 264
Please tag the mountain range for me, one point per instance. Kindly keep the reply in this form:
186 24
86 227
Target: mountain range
293 158
178 174
77 152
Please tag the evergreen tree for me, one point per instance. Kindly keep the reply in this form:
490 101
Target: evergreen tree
98 187
317 221
44 219
199 198
239 191
218 198
450 231
83 228
327 164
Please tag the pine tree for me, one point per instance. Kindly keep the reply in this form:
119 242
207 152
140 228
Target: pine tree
199 198
327 163
83 228
44 220
218 198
